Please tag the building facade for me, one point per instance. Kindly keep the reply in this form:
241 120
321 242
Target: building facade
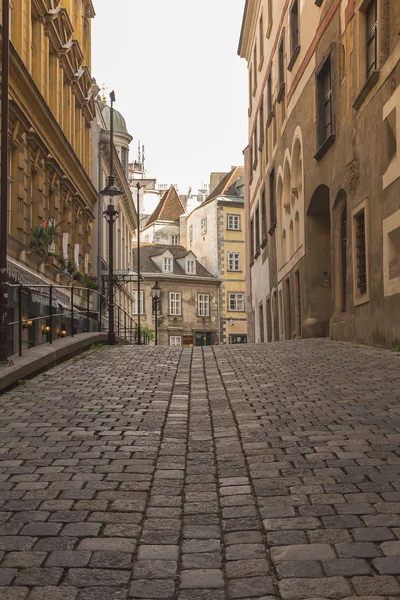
215 232
126 224
322 169
188 310
163 226
51 196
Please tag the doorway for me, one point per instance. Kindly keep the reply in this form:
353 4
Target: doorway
203 338
319 303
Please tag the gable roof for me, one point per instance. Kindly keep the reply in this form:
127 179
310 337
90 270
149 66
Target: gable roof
170 208
147 265
227 187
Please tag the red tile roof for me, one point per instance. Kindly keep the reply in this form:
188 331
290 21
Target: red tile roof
170 208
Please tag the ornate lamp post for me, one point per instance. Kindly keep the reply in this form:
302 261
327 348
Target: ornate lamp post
156 294
111 215
4 182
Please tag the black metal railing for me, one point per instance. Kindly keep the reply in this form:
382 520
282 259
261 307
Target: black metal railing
69 310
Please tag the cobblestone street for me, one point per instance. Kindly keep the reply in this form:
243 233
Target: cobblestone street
248 472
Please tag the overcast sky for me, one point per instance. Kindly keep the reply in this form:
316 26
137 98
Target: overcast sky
178 82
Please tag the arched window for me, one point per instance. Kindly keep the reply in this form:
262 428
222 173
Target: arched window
291 239
297 230
283 247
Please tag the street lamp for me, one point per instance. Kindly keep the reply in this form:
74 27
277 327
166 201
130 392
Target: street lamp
156 294
111 215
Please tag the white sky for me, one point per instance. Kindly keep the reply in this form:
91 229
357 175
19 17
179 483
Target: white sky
178 82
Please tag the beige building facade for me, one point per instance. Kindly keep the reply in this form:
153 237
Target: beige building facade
188 310
215 232
322 169
51 195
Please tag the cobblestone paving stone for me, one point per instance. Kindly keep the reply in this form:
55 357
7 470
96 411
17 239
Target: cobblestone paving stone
251 472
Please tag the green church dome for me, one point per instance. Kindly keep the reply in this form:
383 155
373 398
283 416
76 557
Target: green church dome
119 121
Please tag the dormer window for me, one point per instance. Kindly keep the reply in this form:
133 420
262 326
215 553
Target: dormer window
191 267
167 265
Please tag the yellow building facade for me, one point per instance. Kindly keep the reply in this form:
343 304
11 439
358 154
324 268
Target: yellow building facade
51 195
215 232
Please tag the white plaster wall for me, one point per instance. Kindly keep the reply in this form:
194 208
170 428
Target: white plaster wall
205 247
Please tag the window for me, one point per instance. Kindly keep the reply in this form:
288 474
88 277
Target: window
260 147
191 267
236 302
135 303
261 31
269 97
203 305
175 303
269 28
250 89
233 261
191 234
255 147
361 254
234 222
294 33
281 59
371 37
167 265
255 68
174 240
272 201
175 340
257 232
324 90
203 226
76 255
123 160
263 219
252 250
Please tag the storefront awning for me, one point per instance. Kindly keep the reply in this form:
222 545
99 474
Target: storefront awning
24 276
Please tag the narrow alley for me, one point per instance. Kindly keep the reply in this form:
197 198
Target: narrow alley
247 472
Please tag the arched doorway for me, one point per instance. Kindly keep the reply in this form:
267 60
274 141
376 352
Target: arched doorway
319 301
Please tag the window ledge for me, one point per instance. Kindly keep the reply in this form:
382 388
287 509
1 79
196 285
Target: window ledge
272 228
264 243
323 149
293 59
270 117
281 92
365 90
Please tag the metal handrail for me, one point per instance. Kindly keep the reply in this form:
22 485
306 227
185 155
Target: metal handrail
126 326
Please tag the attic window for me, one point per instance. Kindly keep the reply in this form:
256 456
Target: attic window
191 267
167 265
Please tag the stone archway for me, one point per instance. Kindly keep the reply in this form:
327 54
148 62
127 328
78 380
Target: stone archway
319 298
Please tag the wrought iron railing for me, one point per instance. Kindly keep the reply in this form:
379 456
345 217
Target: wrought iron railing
71 310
